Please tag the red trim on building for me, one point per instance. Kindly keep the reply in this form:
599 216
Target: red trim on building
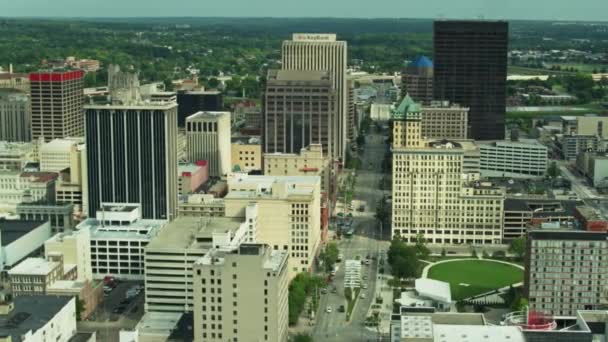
56 76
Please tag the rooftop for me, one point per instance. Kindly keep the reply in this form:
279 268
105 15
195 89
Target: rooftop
39 177
81 337
208 116
243 186
298 75
12 230
541 208
141 105
421 62
520 142
192 168
62 144
33 266
158 323
477 333
15 148
434 289
138 230
407 109
30 314
193 232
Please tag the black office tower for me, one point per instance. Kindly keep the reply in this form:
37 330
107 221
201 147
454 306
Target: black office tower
191 102
132 157
471 70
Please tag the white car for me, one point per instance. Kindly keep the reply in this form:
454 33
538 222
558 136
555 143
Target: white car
328 310
362 295
364 286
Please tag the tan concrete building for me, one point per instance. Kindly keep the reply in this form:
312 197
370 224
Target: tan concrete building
592 125
34 275
241 295
75 247
432 193
169 257
310 162
289 213
201 205
442 120
246 156
208 138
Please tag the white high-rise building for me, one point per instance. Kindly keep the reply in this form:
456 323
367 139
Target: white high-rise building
322 52
208 138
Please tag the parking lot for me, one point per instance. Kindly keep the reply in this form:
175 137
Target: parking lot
115 304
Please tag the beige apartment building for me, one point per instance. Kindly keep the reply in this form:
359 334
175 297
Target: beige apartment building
310 162
200 205
75 247
433 195
170 256
444 120
246 156
241 295
289 213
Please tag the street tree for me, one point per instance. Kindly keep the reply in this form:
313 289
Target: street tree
403 259
553 170
330 256
518 247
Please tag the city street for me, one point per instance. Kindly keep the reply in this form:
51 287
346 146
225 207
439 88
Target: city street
365 241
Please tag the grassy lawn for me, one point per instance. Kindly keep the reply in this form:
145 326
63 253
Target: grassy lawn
351 303
481 275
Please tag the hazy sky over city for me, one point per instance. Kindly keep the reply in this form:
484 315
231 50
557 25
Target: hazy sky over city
591 10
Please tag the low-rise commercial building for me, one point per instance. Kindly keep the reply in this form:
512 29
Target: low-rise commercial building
525 158
450 327
118 238
289 210
57 154
60 215
246 155
241 295
33 276
201 205
75 247
590 218
521 213
21 238
26 187
15 155
594 166
169 257
572 145
190 177
38 318
565 270
309 162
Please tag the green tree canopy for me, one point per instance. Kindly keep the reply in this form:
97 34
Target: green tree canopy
518 247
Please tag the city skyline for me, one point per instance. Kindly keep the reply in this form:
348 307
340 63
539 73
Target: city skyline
585 10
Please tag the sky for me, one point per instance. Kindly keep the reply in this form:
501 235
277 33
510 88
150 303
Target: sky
587 10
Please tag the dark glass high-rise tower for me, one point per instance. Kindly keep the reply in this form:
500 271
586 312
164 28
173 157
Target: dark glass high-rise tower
471 70
132 157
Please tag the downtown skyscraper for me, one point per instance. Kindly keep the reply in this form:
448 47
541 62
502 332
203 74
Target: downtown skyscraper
322 52
471 70
132 157
56 101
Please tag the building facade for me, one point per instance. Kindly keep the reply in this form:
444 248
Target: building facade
246 156
322 52
57 154
241 295
132 157
442 120
118 238
169 258
432 193
471 70
192 102
201 205
309 162
56 104
15 116
289 213
573 145
208 138
14 156
566 270
524 158
26 187
417 80
192 176
300 108
59 215
75 248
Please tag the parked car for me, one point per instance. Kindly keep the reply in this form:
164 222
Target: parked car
328 309
341 308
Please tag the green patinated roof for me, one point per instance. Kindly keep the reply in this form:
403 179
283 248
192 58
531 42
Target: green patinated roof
407 109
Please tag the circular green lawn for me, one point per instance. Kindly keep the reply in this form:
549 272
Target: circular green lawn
472 277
